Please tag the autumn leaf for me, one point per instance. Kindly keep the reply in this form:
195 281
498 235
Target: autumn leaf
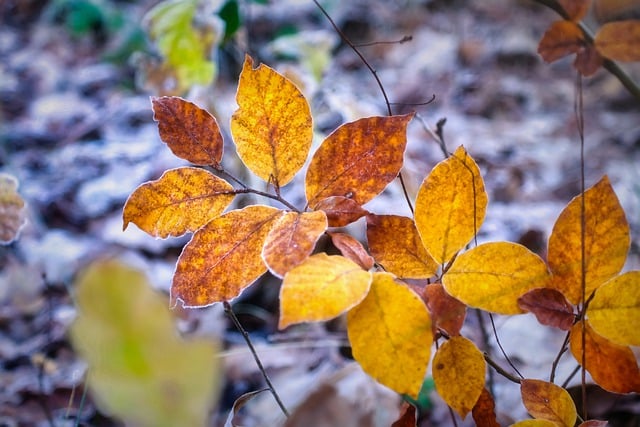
493 276
447 313
450 206
605 246
484 411
549 306
576 9
561 39
407 416
340 210
613 367
390 335
291 240
352 249
395 244
535 423
614 311
12 215
126 334
358 160
180 201
272 128
321 288
619 40
588 60
190 131
459 371
223 257
594 423
547 401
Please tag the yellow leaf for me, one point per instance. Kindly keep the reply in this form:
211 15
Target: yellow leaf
190 131
534 423
450 206
458 371
395 244
321 288
223 257
272 127
619 40
12 215
493 276
139 368
614 311
180 201
561 39
548 401
390 335
613 367
358 159
606 242
292 239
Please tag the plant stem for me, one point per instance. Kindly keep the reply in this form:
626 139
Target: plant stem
500 370
229 311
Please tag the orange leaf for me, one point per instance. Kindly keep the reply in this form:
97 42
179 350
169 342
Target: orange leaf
576 9
390 335
190 131
606 242
535 423
321 288
447 313
494 275
352 249
358 159
459 371
223 257
549 306
613 367
12 215
407 416
340 210
292 239
614 311
588 61
272 127
561 39
547 401
450 206
395 244
619 40
180 201
484 411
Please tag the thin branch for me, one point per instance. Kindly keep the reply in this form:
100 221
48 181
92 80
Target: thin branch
554 365
436 135
486 346
495 333
228 310
573 373
500 370
402 40
263 194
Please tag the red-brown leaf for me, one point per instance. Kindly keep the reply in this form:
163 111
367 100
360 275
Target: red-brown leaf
407 416
561 39
484 411
549 306
576 9
340 210
588 60
352 249
447 313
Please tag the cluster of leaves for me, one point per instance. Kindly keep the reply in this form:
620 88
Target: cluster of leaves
391 325
616 40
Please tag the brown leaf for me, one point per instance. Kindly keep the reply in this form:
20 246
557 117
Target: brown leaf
395 243
340 210
484 411
190 131
561 39
594 423
12 216
549 306
619 40
407 416
358 160
576 9
447 313
588 60
291 240
352 249
613 367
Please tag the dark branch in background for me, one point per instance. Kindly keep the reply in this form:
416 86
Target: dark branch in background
402 40
611 66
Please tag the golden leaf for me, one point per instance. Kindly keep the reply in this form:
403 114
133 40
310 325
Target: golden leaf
547 401
561 39
12 215
619 40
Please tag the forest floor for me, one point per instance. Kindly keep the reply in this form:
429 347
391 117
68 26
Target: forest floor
76 130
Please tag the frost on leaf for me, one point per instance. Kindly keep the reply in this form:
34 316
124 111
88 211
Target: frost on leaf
223 257
390 335
358 160
548 401
272 128
12 215
605 246
321 288
190 131
180 201
450 206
